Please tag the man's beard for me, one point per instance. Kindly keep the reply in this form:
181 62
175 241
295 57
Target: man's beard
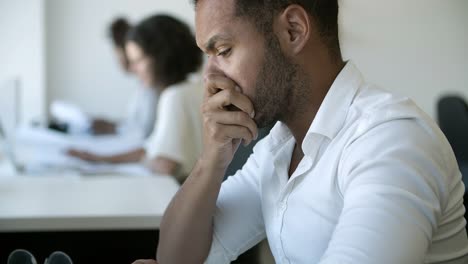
274 86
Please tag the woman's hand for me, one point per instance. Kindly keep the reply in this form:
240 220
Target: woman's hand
87 156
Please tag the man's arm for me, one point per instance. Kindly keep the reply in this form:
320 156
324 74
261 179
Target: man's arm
187 225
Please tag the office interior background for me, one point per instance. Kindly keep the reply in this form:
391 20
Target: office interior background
61 50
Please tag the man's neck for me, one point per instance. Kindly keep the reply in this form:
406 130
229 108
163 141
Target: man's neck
321 76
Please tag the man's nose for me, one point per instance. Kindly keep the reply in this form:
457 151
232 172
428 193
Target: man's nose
211 67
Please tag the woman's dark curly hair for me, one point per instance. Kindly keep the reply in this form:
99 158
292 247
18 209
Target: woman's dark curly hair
118 31
170 44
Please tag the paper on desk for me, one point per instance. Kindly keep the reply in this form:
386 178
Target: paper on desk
65 112
7 169
130 169
45 148
103 145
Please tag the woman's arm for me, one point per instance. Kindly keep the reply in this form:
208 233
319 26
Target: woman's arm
135 155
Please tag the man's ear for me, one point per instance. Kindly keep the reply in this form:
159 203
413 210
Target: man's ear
293 28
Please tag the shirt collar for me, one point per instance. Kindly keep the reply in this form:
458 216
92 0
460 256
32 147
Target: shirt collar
332 113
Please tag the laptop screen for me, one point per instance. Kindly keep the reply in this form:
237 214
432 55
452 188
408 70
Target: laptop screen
9 106
6 148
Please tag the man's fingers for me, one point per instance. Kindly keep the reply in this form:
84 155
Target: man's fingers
228 98
227 113
237 118
216 82
145 261
223 93
225 133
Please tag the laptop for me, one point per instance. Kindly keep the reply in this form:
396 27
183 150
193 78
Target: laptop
7 149
31 167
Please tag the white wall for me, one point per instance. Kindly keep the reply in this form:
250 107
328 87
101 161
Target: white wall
22 53
418 48
81 65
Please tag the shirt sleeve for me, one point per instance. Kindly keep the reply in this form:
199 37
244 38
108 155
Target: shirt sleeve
393 189
238 220
140 114
147 113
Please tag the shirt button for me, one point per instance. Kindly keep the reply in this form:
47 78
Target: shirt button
283 206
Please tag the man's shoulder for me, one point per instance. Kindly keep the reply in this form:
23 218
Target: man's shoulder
379 120
372 100
373 106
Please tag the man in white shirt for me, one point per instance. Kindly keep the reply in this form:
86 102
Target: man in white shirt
349 173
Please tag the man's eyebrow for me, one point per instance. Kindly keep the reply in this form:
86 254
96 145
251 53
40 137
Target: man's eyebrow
210 45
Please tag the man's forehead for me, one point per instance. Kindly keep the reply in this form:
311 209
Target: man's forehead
221 8
213 17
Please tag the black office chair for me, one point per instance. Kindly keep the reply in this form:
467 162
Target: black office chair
453 121
452 113
243 153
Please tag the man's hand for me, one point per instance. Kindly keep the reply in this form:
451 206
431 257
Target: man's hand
227 120
145 261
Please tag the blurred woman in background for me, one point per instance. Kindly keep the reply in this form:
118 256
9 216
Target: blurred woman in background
141 109
162 53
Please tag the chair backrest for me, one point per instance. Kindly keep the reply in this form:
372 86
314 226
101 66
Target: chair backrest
243 153
452 116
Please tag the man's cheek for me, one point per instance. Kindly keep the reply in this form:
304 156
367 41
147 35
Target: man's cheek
243 72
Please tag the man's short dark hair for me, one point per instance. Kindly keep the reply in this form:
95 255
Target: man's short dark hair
171 45
118 30
324 13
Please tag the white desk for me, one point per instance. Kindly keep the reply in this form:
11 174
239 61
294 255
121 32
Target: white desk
71 203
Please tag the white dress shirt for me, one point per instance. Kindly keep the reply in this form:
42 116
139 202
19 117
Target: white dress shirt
379 183
178 130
